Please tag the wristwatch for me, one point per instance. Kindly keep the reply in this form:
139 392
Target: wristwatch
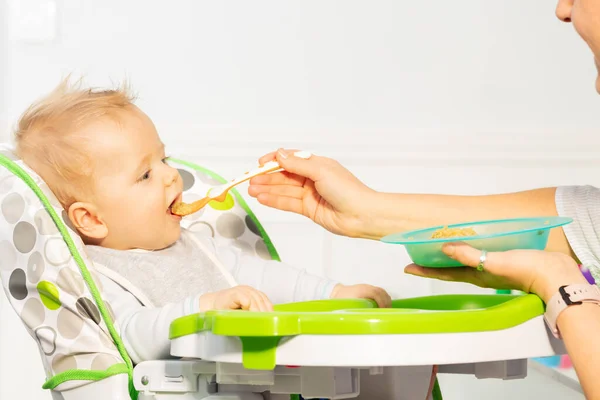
569 295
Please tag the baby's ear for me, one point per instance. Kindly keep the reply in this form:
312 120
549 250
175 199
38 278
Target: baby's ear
84 217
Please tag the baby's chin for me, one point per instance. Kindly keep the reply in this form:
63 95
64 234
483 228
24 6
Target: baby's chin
174 237
168 240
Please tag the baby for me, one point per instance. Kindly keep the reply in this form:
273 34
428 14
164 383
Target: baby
103 159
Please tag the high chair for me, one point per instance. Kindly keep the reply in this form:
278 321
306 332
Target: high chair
324 349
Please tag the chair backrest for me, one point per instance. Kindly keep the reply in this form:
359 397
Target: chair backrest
53 287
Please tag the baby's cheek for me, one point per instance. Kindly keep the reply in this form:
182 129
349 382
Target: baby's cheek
134 217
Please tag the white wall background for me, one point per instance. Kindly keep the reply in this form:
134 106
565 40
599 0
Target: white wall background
431 96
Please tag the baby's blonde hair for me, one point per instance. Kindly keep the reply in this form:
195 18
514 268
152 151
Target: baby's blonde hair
49 137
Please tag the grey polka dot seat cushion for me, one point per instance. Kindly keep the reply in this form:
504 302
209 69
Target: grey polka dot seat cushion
53 287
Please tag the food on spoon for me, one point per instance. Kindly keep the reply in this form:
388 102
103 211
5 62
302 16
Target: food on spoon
184 209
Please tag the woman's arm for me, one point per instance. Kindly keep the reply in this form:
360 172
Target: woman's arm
579 326
542 273
326 192
402 212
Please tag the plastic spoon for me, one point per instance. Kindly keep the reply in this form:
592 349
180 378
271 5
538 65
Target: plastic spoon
219 193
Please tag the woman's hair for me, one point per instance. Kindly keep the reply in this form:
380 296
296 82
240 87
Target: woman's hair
50 137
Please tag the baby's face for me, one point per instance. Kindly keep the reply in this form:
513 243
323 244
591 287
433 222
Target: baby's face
133 187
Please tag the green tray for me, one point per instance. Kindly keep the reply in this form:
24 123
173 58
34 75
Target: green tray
260 333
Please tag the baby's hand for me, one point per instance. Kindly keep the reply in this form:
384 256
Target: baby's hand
362 291
239 297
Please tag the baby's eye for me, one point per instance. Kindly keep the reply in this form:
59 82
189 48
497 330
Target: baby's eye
164 160
146 176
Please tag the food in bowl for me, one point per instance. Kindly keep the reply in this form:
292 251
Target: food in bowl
446 232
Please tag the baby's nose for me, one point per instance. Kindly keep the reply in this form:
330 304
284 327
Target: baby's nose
171 176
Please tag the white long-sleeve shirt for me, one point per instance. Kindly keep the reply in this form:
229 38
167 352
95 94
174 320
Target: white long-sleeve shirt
582 203
148 290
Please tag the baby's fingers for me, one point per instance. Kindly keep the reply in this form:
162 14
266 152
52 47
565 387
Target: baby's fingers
259 303
243 300
268 306
253 300
382 298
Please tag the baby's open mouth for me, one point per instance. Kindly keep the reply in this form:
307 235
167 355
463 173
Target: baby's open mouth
176 200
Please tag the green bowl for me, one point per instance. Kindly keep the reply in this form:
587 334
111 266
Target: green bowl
495 235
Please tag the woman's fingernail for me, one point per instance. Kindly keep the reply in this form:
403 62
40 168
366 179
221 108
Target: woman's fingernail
303 154
449 249
283 153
